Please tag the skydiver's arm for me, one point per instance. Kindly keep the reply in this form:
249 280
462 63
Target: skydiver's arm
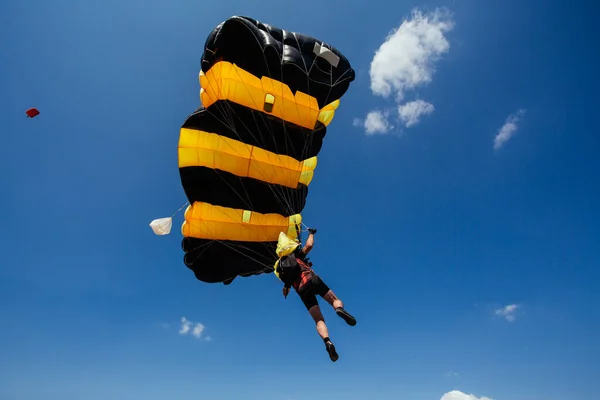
310 242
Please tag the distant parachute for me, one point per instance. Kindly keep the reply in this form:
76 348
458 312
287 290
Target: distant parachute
32 112
248 154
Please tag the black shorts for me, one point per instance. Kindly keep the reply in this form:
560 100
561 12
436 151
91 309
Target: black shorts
308 293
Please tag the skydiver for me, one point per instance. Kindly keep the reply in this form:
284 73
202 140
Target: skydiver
308 284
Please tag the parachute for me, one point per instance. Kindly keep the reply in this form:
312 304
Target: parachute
248 154
32 112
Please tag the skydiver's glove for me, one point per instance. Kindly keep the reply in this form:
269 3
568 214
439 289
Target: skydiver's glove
312 231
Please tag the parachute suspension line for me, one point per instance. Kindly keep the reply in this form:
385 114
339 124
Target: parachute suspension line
247 201
236 246
297 199
226 111
229 118
232 246
205 245
180 208
294 200
280 196
228 122
267 266
298 232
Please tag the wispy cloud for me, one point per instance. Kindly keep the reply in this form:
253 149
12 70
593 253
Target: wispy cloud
452 374
197 331
509 129
375 122
410 113
508 312
405 61
195 328
185 326
458 395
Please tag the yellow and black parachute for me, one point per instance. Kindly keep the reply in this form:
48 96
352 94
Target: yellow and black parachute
247 156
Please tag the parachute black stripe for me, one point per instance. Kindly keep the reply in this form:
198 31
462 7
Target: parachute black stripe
228 190
220 261
254 128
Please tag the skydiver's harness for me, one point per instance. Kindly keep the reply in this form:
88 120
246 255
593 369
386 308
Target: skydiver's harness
289 269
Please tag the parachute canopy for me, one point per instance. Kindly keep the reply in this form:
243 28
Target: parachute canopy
32 112
162 226
249 153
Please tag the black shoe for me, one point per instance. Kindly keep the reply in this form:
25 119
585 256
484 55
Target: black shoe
343 314
331 350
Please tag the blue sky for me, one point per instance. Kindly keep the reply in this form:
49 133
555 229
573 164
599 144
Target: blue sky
445 229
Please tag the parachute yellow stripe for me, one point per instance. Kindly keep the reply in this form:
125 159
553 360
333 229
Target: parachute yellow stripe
205 149
206 221
227 81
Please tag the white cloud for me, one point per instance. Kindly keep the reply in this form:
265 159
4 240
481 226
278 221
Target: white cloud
376 122
198 329
508 312
405 61
410 113
185 326
458 395
509 129
452 374
195 328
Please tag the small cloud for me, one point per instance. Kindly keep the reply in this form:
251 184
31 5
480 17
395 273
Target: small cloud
377 122
185 326
405 61
508 312
197 331
509 129
410 113
458 395
188 326
452 374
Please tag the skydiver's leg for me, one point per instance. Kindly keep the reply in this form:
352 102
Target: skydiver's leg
309 299
315 312
323 290
333 299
